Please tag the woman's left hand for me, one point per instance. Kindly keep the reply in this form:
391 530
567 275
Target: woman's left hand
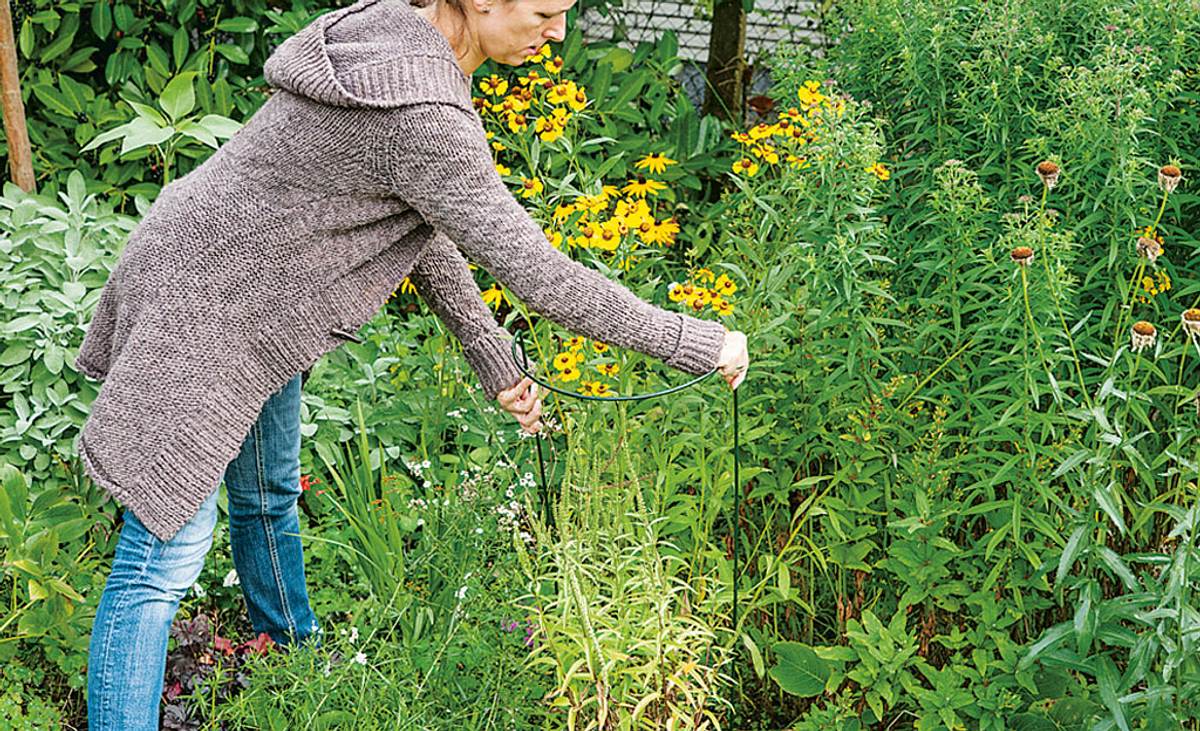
524 402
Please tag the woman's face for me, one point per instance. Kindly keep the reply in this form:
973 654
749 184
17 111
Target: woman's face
513 30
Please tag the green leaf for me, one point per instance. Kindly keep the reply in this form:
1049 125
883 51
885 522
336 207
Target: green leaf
1105 500
799 672
233 53
180 44
1070 552
179 97
222 127
143 133
102 20
755 655
1107 679
14 354
238 25
25 39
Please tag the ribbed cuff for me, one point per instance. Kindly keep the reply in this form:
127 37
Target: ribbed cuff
491 358
699 348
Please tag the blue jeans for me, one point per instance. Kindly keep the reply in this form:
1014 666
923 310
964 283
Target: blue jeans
149 577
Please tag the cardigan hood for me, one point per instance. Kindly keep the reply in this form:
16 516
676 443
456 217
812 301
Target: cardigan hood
376 54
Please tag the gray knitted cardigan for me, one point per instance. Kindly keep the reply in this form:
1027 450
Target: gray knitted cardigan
367 165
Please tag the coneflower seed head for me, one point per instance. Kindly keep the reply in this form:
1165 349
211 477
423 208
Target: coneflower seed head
1168 178
1048 172
1022 255
1142 335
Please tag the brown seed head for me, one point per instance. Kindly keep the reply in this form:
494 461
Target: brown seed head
1149 248
1048 172
1142 335
1022 255
1191 322
1168 178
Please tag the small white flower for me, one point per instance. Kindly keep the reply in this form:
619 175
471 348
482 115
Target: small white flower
353 634
360 657
464 427
462 592
199 591
231 578
426 484
420 522
479 531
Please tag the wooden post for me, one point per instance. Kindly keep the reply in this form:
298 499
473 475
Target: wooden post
726 61
20 157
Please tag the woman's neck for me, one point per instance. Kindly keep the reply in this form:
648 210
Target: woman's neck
462 40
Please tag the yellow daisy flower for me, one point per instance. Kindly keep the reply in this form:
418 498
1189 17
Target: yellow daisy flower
746 167
655 162
722 307
493 297
880 171
554 65
494 85
503 169
531 187
600 347
579 99
609 369
643 185
575 343
569 374
724 285
563 361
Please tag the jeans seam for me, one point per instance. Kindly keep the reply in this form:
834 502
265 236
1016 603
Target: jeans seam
272 549
116 613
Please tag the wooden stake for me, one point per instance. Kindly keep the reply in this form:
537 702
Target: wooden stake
20 157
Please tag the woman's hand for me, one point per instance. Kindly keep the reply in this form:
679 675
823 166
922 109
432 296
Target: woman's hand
734 359
524 402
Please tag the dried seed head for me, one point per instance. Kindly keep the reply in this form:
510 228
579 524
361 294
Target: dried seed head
1142 335
1048 172
1149 248
1169 177
1191 322
1022 255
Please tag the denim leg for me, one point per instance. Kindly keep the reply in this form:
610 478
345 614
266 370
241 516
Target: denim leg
127 653
263 484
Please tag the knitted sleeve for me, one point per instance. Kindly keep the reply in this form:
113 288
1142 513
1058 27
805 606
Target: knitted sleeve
445 284
438 161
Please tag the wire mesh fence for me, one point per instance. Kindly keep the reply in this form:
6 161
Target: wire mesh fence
771 23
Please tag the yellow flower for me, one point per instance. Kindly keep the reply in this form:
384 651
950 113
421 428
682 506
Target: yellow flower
503 170
518 101
675 292
542 54
588 388
609 369
494 85
655 162
797 162
569 374
406 287
530 187
759 131
746 167
579 99
518 122
575 343
554 65
554 237
643 185
724 286
810 95
493 296
547 129
765 151
562 212
601 389
742 138
563 361
880 171
561 92
722 307
704 274
608 192
600 347
663 232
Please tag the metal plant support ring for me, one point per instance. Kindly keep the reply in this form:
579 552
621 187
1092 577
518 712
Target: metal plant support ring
522 363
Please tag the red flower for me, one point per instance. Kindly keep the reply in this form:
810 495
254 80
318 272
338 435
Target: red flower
306 482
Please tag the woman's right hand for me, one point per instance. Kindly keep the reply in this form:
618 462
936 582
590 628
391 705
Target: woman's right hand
734 359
